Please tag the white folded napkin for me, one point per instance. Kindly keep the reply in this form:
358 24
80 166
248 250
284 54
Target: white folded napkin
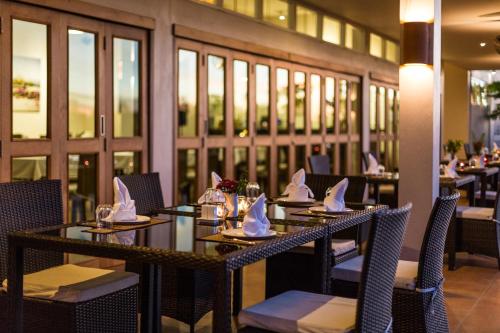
373 166
495 147
450 170
216 179
334 201
297 190
124 206
481 161
255 222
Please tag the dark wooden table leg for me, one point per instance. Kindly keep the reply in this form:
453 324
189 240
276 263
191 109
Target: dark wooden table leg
237 291
222 303
150 298
396 194
484 186
494 185
376 192
15 288
471 193
322 262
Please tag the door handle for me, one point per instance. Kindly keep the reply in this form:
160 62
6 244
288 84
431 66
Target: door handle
102 124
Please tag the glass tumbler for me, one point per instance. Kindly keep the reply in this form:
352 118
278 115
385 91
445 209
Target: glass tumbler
252 191
101 213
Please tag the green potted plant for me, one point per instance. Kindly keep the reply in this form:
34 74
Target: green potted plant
493 89
453 146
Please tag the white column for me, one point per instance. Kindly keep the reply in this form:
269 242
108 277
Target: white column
420 87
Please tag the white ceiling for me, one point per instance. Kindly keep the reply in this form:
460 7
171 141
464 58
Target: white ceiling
465 23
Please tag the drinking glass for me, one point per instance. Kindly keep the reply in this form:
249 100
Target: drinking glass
253 191
101 213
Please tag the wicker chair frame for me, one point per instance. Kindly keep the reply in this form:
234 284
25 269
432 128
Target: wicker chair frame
27 205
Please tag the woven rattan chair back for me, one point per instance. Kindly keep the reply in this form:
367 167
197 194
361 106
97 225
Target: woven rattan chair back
29 205
146 190
320 183
379 270
320 164
430 268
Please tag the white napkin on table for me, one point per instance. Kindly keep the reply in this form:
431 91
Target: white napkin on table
255 222
481 161
297 190
373 166
450 170
124 206
216 179
495 147
334 201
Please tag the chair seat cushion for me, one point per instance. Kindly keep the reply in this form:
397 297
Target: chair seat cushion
73 284
299 311
339 246
480 213
490 195
349 270
406 275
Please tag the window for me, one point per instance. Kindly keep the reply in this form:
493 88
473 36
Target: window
262 99
245 7
381 109
376 45
126 163
187 175
354 38
330 104
373 108
82 186
307 21
263 168
216 95
355 108
391 51
187 93
343 106
240 155
283 168
282 99
355 158
29 168
332 29
300 157
216 162
300 102
240 97
275 12
315 103
330 151
29 80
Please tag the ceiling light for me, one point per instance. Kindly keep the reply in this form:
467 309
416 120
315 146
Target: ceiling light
482 44
282 17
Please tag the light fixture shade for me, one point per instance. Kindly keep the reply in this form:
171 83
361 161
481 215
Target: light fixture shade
417 46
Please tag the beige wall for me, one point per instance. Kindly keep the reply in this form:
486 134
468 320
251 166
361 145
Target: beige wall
214 20
455 118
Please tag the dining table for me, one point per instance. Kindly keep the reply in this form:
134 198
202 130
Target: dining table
178 238
483 174
447 185
385 178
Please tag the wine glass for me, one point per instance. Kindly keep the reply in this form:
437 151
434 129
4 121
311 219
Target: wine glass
252 191
101 213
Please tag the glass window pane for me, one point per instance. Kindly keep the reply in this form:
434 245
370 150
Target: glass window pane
390 114
126 163
355 108
216 95
300 102
382 153
216 162
331 30
29 168
381 109
376 43
187 93
391 51
343 158
126 83
354 38
355 158
373 108
396 155
240 156
343 106
396 113
263 167
283 168
330 104
29 80
246 7
390 156
82 186
262 98
316 150
187 175
330 151
81 84
315 103
300 157
282 99
240 97
275 12
307 21
373 149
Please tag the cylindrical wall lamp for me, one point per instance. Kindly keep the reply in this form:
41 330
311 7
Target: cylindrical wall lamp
417 43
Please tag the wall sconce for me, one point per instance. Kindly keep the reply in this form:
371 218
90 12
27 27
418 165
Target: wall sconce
417 45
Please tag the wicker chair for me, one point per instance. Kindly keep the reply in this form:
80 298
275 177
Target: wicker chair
28 205
477 230
289 270
186 294
418 299
320 164
295 310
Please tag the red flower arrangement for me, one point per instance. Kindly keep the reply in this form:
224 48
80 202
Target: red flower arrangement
228 186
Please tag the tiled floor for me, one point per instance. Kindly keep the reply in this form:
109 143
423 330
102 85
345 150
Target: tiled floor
472 295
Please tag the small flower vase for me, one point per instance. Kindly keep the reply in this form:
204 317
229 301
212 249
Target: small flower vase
232 204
